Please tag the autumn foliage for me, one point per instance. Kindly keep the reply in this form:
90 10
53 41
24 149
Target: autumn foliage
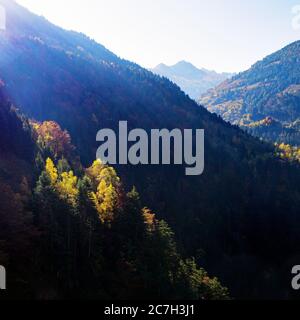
50 136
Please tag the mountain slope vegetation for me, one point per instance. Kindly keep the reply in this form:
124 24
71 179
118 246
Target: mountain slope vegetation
240 219
265 99
67 231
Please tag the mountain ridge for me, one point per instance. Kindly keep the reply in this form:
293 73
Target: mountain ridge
268 90
192 80
227 218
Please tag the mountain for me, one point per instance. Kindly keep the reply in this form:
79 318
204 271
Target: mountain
240 219
265 99
51 214
191 80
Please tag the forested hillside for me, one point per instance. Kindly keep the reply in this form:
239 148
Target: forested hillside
71 232
265 99
240 219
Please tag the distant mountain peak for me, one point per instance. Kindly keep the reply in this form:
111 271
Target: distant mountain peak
189 78
184 63
161 65
179 63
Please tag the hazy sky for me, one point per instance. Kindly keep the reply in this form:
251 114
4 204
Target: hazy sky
225 35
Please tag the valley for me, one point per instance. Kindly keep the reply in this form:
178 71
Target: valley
131 231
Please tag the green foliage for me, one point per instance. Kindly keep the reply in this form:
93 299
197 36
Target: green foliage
197 283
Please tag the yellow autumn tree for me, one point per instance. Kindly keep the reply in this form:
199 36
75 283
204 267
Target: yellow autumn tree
65 183
106 194
288 152
105 200
149 218
94 171
67 187
51 171
99 171
109 175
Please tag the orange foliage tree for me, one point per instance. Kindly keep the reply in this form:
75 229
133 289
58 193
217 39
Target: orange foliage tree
49 135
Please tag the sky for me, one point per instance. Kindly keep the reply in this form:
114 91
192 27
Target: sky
221 35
